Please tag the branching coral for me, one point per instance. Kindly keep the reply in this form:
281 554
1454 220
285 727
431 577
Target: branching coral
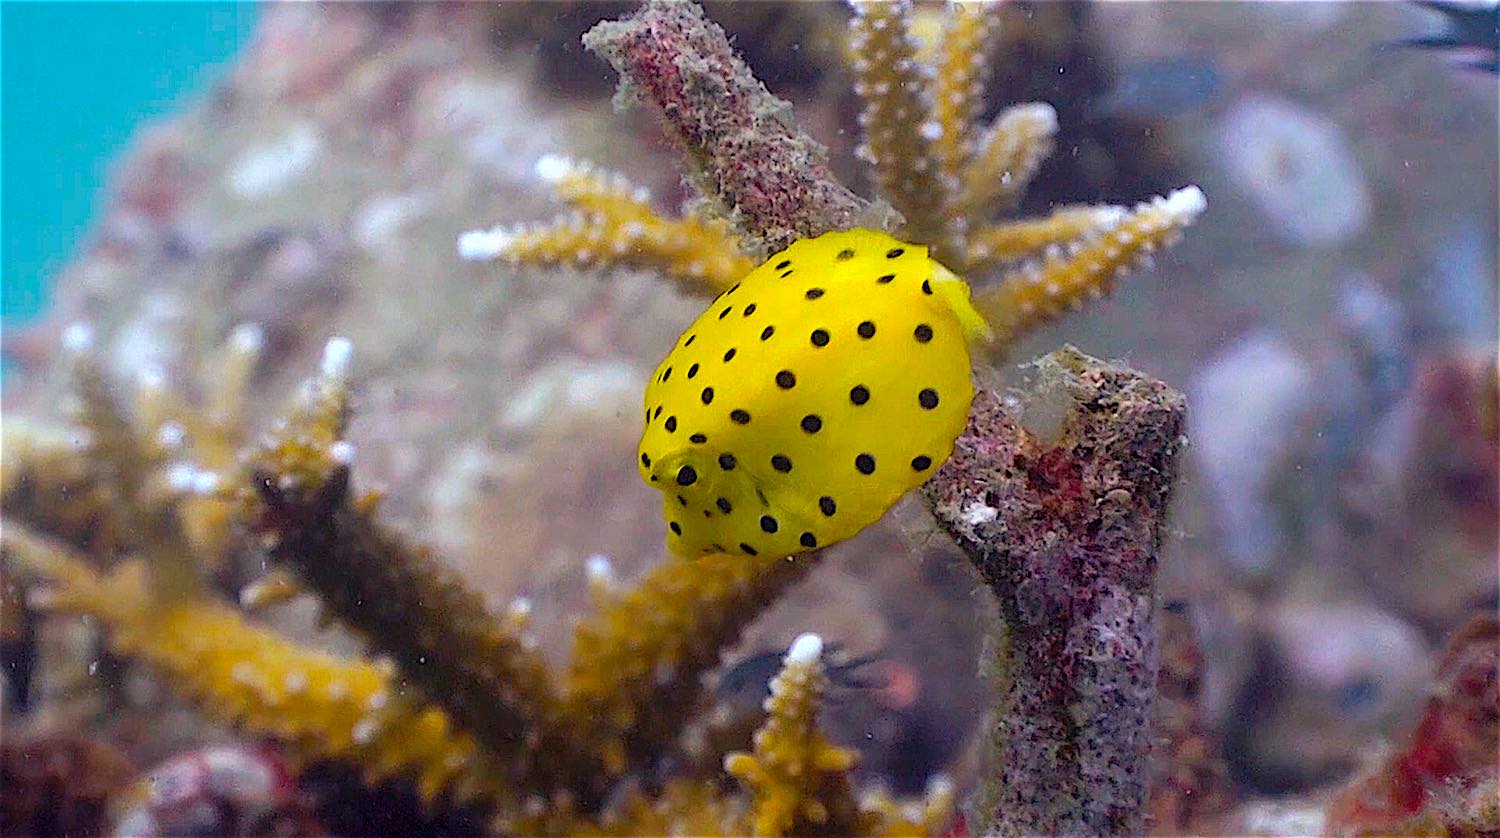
404 600
317 705
142 477
944 175
637 663
799 782
614 224
540 755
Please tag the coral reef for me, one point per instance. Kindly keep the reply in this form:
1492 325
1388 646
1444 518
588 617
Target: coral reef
461 703
1191 792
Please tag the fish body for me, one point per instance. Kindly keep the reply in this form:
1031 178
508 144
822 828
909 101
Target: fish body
809 397
1470 27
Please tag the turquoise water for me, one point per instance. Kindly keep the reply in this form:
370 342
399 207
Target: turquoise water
76 81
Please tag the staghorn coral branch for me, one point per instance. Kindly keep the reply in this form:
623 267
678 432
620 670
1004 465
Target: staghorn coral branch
958 86
128 470
1007 157
615 226
318 706
49 481
404 600
1066 531
1008 241
637 664
1036 293
742 146
900 126
232 371
798 782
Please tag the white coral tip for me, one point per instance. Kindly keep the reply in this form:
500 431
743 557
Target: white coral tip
805 649
247 338
336 354
1039 112
78 337
1185 204
553 167
483 245
600 570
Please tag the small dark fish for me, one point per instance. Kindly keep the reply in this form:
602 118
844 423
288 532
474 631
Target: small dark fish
1469 27
750 679
1162 88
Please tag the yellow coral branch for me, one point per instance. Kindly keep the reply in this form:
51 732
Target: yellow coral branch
319 706
897 117
614 225
1009 153
1037 292
958 87
636 665
48 480
129 470
1010 240
798 782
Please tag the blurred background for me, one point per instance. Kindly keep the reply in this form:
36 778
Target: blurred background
173 170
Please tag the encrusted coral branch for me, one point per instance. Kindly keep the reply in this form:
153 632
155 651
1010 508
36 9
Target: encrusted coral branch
404 600
637 664
615 226
317 705
900 128
1088 268
1065 528
1006 159
799 783
742 147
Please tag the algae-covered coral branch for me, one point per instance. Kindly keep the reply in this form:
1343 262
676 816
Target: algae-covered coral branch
1066 528
410 605
742 147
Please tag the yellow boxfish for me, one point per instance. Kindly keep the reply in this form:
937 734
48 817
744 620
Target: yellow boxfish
809 397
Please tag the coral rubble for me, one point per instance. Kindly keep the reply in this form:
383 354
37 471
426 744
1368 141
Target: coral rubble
1444 779
58 784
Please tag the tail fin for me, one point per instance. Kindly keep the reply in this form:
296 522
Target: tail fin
955 292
